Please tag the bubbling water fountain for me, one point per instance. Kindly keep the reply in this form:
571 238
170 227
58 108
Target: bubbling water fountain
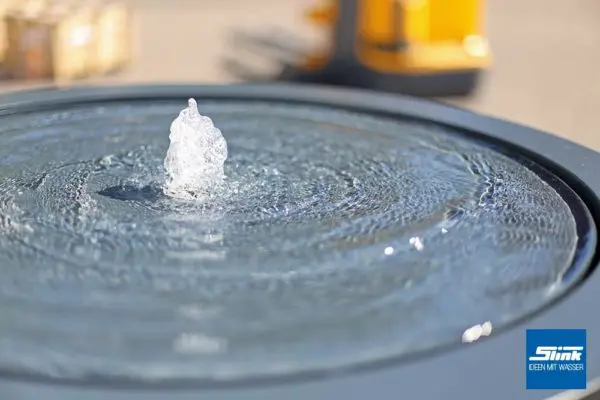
195 158
338 238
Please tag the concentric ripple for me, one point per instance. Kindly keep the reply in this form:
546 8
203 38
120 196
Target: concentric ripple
337 238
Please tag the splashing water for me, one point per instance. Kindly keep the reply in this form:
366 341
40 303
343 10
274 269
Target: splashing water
195 158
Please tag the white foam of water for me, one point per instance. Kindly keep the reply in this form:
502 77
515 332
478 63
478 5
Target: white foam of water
196 156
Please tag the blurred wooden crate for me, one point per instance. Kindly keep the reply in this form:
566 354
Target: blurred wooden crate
114 36
66 39
5 5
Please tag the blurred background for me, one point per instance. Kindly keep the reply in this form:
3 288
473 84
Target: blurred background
545 70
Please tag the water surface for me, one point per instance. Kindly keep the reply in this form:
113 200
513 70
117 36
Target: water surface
337 238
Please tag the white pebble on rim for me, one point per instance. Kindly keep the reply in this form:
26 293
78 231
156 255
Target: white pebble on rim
476 332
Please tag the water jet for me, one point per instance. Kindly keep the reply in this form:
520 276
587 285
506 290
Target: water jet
194 160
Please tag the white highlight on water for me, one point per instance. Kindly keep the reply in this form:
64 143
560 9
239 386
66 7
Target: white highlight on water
417 243
196 156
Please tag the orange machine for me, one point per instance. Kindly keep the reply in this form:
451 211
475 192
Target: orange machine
419 47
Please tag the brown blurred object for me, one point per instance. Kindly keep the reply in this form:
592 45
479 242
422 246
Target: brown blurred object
5 5
65 40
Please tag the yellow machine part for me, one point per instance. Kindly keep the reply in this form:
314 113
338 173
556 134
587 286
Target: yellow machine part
441 35
375 22
455 19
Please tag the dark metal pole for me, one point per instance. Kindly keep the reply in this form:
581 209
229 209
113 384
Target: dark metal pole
345 31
